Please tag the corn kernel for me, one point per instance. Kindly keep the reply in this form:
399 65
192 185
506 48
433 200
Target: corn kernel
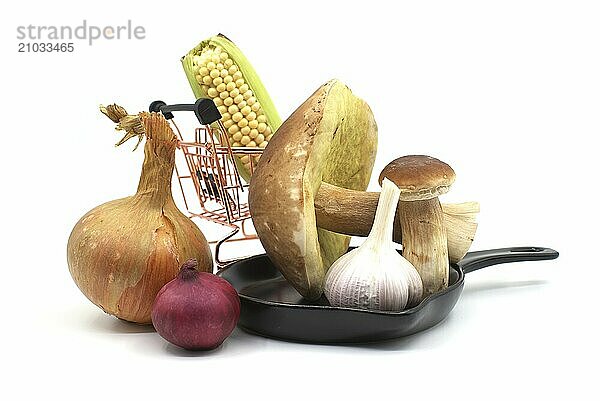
246 110
236 75
222 109
224 95
245 140
237 136
253 133
256 106
228 102
223 56
263 144
233 109
253 124
222 88
261 119
262 127
207 80
244 88
251 116
218 101
228 63
237 117
242 123
212 92
260 138
217 81
242 104
203 71
233 129
238 99
236 145
239 83
235 92
224 73
251 144
245 130
228 79
228 123
214 73
230 87
233 69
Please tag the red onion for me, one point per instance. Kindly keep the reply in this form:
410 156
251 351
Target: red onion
196 310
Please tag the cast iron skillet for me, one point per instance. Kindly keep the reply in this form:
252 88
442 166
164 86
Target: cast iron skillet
273 308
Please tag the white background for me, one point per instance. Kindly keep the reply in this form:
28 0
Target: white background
507 92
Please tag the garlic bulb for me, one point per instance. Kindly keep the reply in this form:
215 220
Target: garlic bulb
374 275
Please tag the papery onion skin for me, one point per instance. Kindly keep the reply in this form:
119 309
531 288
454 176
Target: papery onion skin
122 252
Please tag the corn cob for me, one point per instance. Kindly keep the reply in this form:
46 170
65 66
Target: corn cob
217 69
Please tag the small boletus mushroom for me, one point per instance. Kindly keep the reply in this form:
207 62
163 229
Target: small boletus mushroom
350 212
331 137
421 180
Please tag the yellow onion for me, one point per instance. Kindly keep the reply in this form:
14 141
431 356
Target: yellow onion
122 252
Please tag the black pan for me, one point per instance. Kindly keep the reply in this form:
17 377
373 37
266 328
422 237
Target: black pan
272 308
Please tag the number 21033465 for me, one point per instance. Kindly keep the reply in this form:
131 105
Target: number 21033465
45 47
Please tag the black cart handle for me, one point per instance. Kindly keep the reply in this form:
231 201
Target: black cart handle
480 259
205 110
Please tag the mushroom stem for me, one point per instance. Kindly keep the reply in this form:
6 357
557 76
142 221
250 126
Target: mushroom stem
349 212
427 249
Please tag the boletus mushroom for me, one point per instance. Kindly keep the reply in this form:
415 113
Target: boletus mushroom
331 137
309 188
421 180
351 212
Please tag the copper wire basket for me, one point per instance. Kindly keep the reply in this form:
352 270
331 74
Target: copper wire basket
210 160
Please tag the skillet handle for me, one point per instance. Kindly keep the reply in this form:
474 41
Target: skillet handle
480 259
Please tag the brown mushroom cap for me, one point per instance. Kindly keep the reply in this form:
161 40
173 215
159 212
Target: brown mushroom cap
331 137
419 177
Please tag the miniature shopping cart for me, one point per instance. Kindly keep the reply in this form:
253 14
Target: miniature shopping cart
211 166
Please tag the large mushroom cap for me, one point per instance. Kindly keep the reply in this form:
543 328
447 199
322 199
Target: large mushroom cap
419 177
331 137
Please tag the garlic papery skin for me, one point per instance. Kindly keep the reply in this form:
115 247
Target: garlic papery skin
375 276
